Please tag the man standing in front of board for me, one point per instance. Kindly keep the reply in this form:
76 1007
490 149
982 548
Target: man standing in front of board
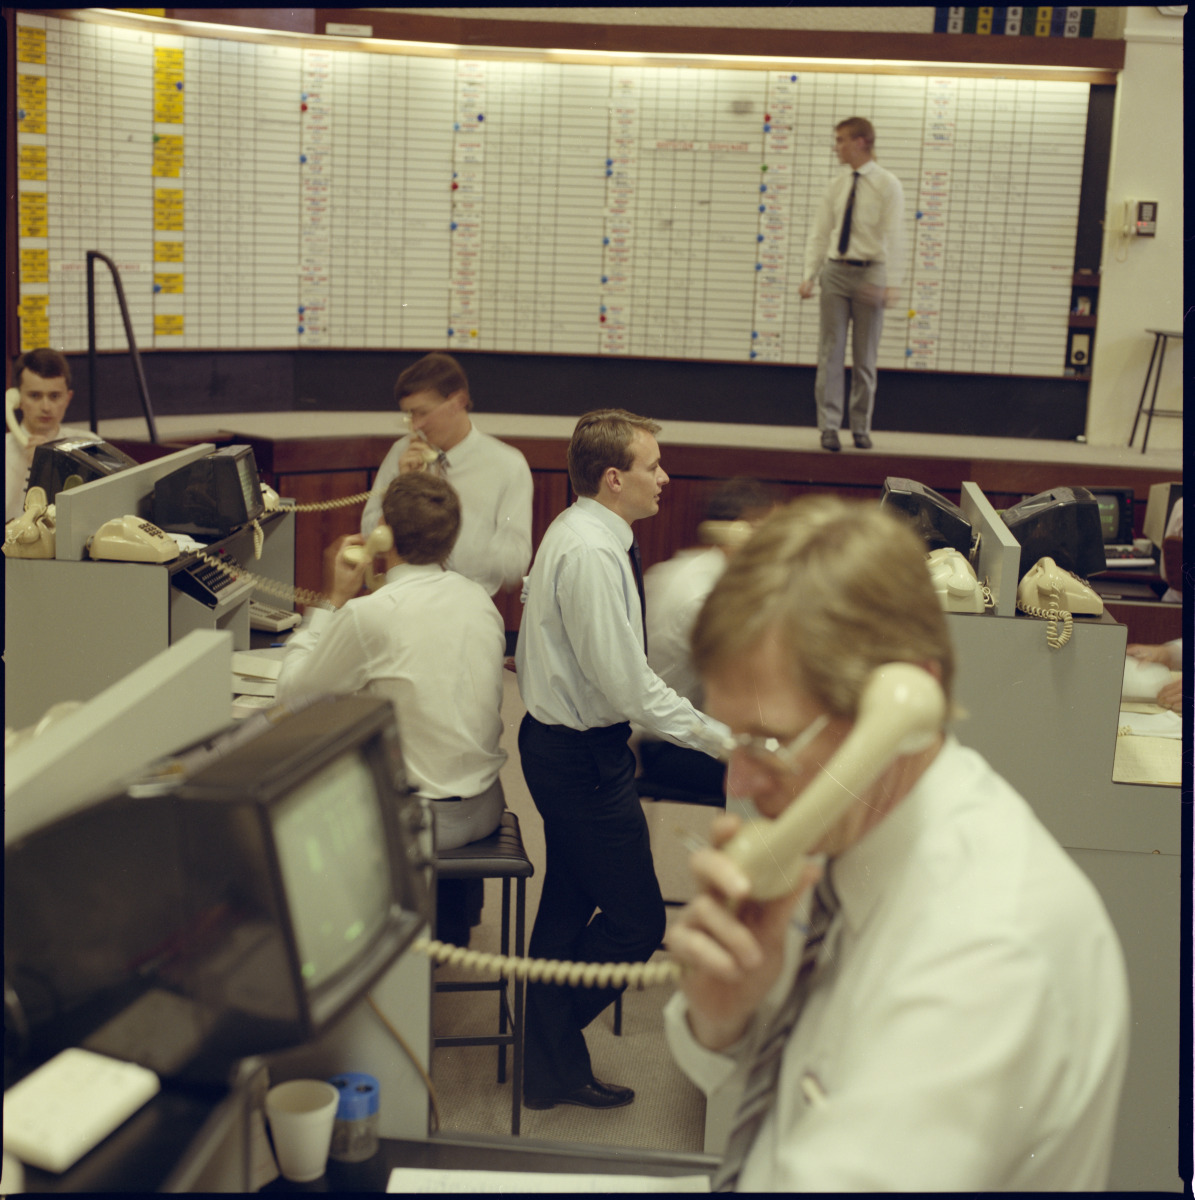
853 250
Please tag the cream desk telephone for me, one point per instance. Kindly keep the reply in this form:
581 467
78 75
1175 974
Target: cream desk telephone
901 711
31 535
1053 594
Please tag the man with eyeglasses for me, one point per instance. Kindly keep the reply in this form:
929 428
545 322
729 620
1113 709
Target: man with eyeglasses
947 1009
491 478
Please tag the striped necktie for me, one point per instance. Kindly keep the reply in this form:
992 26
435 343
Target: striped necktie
844 238
760 1090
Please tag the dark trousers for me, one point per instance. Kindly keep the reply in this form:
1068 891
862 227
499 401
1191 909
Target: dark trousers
601 901
682 767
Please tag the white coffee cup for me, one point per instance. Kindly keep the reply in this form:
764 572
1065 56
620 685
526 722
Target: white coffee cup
301 1114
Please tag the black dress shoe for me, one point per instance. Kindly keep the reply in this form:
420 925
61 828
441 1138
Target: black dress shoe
830 439
862 441
594 1094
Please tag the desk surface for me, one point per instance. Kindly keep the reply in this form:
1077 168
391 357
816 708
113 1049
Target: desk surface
461 1152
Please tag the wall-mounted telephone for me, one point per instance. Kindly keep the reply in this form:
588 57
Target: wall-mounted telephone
132 539
958 588
381 541
31 535
901 711
12 401
1053 594
1140 218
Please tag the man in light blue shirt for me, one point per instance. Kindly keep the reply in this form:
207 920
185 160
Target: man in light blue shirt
583 675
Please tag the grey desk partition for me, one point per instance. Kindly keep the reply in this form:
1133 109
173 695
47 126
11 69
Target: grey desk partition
178 697
1047 721
999 551
73 628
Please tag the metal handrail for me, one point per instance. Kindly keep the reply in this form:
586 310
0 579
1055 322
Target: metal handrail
138 369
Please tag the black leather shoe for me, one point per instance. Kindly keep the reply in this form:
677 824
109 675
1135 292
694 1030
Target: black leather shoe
862 441
594 1094
830 439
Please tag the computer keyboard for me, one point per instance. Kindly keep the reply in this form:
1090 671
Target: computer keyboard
58 1113
1121 557
273 620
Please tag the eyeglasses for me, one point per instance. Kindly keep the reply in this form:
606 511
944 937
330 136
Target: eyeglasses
409 416
770 752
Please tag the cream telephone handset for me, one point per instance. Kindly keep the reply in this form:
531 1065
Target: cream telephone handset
32 534
12 401
901 711
1052 594
380 541
955 582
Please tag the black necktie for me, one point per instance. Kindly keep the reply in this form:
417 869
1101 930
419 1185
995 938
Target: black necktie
760 1091
844 238
637 571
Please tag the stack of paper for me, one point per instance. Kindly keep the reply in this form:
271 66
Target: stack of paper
255 672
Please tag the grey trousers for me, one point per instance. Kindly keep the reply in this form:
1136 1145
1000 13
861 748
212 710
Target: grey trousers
842 304
459 822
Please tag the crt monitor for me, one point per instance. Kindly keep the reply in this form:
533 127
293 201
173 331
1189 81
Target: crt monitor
939 522
71 461
1115 505
1063 524
243 912
210 497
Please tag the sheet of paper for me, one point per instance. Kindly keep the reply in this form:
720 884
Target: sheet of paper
514 1183
1148 760
258 664
1148 720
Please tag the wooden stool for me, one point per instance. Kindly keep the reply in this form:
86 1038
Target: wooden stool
499 856
1161 336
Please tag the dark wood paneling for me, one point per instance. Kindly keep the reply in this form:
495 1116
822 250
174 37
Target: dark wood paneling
314 532
1101 53
1148 624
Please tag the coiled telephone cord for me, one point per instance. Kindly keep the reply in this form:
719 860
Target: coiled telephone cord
283 591
1052 616
550 970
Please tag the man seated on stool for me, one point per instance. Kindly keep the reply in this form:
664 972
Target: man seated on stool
675 591
951 1012
432 642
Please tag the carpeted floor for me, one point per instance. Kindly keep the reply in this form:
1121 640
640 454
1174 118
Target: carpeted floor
668 1112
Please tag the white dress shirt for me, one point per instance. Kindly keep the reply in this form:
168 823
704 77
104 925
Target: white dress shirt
580 651
432 642
969 1030
494 484
877 222
675 591
16 470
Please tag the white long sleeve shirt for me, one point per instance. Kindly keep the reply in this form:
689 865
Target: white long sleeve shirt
580 653
675 591
969 1030
430 641
494 485
877 222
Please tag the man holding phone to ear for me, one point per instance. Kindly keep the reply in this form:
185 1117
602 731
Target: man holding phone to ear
43 378
491 478
947 1009
432 642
